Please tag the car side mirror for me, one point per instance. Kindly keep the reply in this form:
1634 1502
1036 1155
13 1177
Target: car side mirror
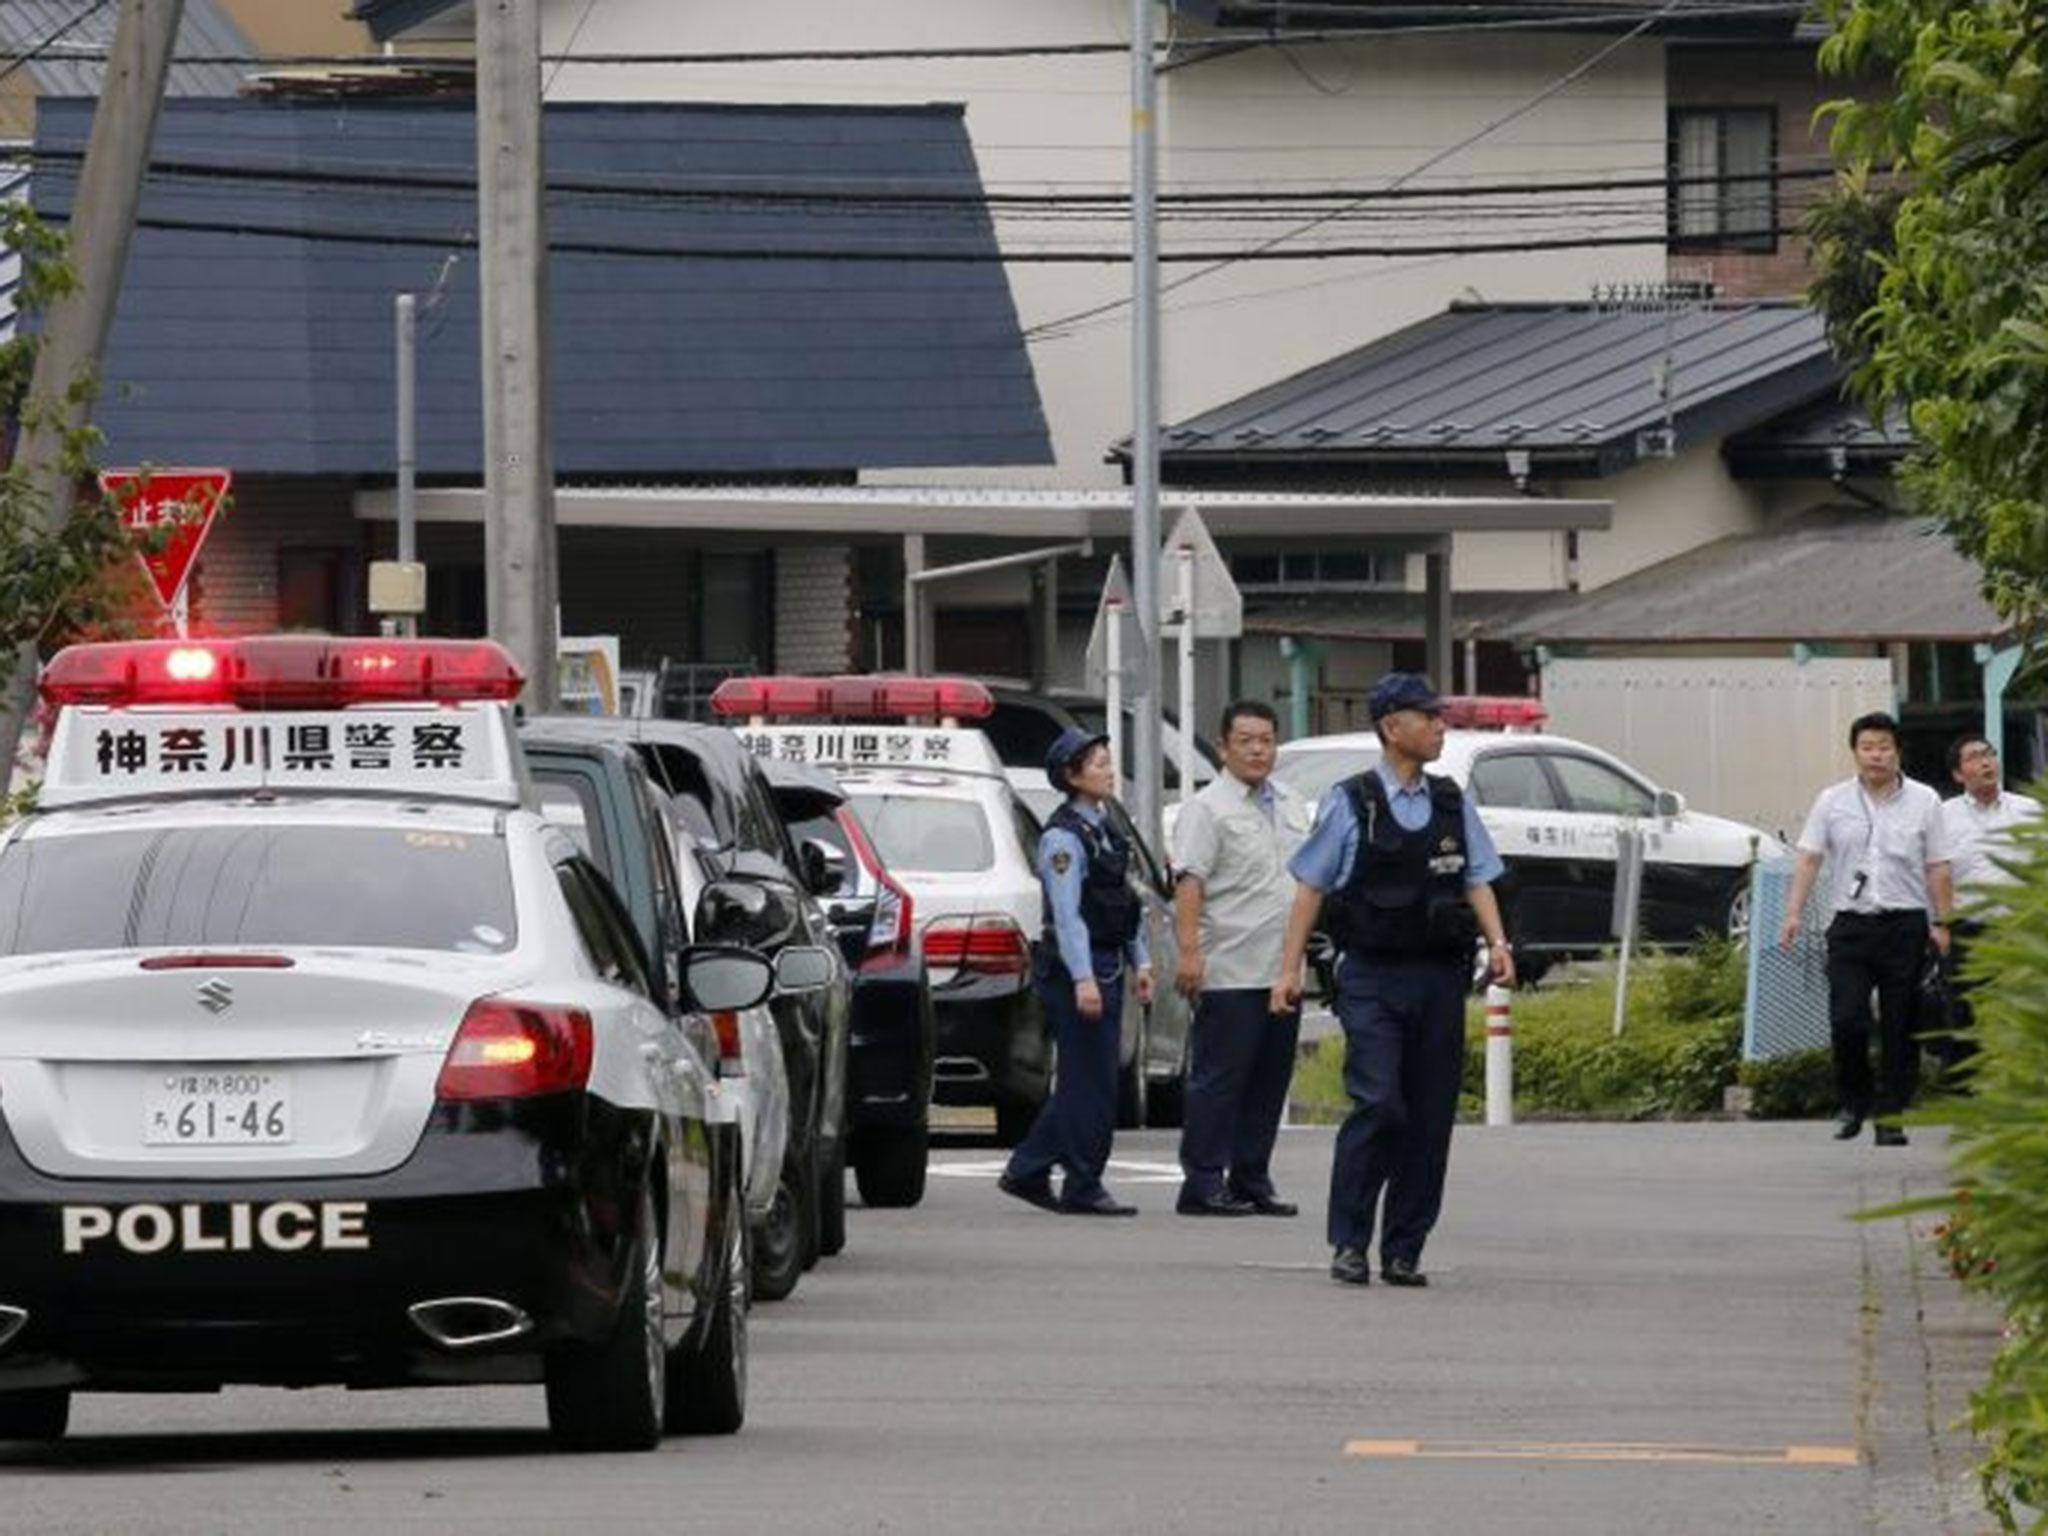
803 968
718 978
1670 804
824 867
748 914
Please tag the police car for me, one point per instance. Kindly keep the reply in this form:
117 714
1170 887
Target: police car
1555 807
948 824
324 1059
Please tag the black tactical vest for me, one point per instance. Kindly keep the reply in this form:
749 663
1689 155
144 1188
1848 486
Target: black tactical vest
1384 908
1109 907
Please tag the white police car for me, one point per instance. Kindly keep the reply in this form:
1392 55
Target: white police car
1555 807
323 1059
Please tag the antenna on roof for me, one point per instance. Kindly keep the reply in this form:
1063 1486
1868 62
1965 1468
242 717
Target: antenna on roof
1667 298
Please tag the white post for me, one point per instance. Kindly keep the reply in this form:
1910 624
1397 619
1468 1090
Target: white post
1628 893
1186 600
1113 684
1500 1056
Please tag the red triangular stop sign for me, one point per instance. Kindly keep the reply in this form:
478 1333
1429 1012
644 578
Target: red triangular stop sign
189 499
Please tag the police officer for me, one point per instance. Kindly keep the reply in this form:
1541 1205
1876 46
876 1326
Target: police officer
1093 930
1399 865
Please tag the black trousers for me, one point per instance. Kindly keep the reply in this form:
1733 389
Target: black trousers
1879 952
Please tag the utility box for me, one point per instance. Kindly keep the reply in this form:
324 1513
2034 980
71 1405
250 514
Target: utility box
398 588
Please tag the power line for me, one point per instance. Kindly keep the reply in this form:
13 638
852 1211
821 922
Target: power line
55 37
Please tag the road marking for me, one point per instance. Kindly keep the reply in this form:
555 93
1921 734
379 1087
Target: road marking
1508 1450
1128 1170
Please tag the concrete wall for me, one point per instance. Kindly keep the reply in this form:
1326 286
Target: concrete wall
1351 115
814 601
297 27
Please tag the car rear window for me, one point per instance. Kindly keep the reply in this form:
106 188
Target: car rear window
922 834
1310 774
397 888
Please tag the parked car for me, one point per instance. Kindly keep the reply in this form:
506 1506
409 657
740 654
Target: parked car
364 1075
758 897
941 814
892 1040
1554 807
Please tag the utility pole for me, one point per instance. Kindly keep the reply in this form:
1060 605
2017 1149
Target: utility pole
1147 777
75 330
519 484
405 318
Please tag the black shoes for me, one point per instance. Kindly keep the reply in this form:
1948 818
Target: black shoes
1890 1136
1271 1205
1221 1204
1349 1266
1103 1203
1847 1126
1036 1191
1402 1272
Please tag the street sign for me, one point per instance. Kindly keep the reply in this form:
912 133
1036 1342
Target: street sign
186 499
1126 654
1218 607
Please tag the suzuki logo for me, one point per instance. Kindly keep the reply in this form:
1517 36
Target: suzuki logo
216 996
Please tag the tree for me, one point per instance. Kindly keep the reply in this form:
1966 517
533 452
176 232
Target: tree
1933 254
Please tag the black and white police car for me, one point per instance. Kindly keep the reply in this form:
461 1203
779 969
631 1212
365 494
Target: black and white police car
1555 807
324 1059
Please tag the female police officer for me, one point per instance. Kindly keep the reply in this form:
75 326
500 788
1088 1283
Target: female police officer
1093 925
1401 868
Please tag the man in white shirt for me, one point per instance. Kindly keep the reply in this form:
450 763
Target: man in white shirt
1232 892
1883 842
1978 823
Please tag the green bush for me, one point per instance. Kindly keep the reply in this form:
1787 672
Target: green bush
2001 1167
1800 1086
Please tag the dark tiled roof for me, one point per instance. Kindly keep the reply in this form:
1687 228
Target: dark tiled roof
1826 437
1387 615
1832 574
75 64
1575 386
275 354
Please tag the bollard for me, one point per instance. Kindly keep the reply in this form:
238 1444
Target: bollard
1500 1057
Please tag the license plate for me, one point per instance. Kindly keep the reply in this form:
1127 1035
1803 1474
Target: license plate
218 1107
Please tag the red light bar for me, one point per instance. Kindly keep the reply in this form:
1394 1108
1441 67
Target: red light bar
281 672
1478 712
853 698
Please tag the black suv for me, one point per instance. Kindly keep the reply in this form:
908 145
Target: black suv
764 895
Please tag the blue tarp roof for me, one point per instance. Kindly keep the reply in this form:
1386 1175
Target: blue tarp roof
242 339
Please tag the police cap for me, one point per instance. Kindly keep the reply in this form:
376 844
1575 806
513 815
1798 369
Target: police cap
1403 690
1073 745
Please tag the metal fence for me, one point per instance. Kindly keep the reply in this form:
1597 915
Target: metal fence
1786 1008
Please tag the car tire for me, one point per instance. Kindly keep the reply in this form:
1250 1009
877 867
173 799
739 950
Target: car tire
832 1202
1735 912
780 1244
612 1396
889 1166
1130 1081
1166 1101
1014 1118
41 1413
707 1380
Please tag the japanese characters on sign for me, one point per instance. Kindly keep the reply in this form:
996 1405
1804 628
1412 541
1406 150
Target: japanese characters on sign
872 746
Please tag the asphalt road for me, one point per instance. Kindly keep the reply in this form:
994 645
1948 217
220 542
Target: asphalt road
1632 1329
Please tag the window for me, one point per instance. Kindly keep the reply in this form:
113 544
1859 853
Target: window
922 835
1312 773
1513 781
601 924
424 887
571 804
1319 570
1597 789
1721 161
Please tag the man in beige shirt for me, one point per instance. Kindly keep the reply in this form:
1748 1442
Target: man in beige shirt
1231 897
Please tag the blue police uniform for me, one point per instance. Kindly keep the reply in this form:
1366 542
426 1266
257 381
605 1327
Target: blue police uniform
1394 861
1092 928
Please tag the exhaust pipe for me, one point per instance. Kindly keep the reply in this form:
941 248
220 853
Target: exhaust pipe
12 1321
468 1322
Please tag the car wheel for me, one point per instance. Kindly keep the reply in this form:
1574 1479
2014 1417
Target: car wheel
611 1396
1735 913
832 1202
889 1166
42 1413
1013 1120
1166 1102
707 1382
779 1240
1130 1081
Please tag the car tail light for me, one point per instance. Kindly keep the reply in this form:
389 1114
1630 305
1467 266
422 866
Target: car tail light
281 672
985 944
853 698
890 926
222 962
508 1050
1476 712
732 1055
